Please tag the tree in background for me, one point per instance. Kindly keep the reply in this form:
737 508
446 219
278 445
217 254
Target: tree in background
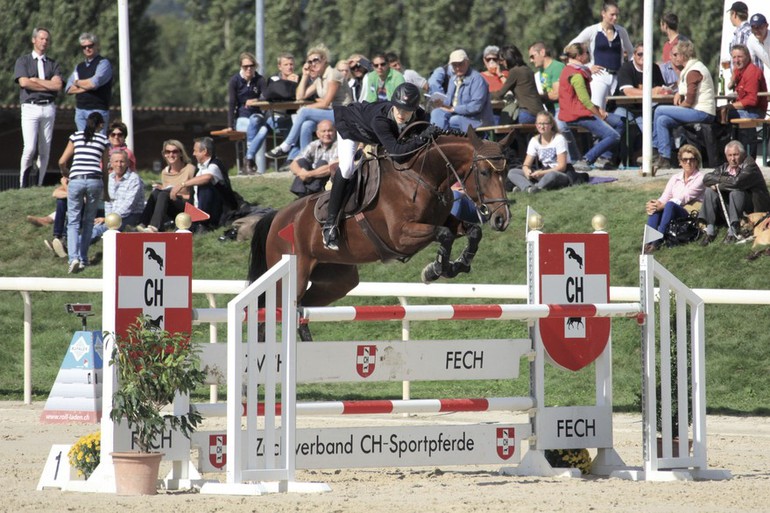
184 54
66 21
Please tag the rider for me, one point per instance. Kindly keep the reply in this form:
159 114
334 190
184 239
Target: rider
372 123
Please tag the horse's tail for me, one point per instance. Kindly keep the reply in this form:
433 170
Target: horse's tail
258 261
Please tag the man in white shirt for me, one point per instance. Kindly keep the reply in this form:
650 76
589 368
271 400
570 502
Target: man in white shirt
39 79
211 184
759 43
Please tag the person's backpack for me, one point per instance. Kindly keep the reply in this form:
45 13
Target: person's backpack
683 230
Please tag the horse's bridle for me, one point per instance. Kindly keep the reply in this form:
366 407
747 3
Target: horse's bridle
482 209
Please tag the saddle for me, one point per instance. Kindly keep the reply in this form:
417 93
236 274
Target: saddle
363 189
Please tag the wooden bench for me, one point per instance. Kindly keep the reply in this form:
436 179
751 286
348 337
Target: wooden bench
741 124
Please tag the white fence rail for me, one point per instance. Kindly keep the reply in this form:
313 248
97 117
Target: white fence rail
402 291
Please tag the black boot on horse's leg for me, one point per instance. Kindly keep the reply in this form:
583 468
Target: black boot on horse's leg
440 267
463 262
330 230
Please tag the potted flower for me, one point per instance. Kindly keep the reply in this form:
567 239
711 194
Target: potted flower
85 454
152 366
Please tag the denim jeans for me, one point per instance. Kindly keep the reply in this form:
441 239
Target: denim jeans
83 198
669 116
526 118
445 119
99 229
81 116
60 219
304 125
609 131
661 220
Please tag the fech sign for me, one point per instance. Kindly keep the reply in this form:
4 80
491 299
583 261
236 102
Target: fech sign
154 275
574 269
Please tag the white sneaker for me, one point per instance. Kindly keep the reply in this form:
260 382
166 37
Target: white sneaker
81 266
58 248
74 266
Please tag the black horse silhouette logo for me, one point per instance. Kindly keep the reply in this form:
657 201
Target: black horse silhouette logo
572 255
153 324
575 322
152 255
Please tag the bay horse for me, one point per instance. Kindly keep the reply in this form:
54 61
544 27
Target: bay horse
410 211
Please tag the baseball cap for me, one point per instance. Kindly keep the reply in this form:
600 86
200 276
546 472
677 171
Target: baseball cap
458 56
758 20
739 7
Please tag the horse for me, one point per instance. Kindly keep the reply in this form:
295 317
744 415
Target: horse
411 210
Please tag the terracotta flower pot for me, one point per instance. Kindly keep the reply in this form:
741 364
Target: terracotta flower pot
136 473
674 447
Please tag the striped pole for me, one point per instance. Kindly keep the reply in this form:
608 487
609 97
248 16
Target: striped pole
387 406
467 312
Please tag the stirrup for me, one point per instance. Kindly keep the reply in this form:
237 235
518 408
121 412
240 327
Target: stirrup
330 236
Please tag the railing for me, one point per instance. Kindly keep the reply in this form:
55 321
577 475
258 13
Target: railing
402 291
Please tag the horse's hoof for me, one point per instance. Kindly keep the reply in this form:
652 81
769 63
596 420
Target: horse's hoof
456 268
429 273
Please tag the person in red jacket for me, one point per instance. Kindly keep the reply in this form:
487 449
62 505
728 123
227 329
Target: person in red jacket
747 82
576 109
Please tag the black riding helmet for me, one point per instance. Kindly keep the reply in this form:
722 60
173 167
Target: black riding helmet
406 97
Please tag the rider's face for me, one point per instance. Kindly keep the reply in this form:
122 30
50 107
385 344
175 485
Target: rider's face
402 116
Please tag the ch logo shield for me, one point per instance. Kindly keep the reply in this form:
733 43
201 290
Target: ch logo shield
366 358
218 450
506 442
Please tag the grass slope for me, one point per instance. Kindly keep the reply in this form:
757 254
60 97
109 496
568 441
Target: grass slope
737 365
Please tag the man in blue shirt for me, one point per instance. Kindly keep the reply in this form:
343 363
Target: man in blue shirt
467 100
92 83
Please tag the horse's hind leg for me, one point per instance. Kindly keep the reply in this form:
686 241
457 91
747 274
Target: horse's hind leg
329 282
440 266
463 262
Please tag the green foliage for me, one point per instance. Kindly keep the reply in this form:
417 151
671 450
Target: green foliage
66 21
184 53
152 367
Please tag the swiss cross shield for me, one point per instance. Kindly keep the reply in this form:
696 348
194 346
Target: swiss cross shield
218 450
506 442
366 358
574 270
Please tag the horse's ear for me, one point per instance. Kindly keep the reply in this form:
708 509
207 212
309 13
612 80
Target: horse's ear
508 139
475 140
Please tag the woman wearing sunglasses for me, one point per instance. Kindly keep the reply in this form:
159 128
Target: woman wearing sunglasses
495 75
160 208
332 90
117 135
682 189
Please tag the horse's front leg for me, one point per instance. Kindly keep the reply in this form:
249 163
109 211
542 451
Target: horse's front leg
441 265
463 262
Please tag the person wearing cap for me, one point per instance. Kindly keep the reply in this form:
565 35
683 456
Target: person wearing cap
759 43
40 79
739 17
495 75
608 46
371 123
467 102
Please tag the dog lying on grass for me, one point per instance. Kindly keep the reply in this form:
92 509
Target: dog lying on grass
756 227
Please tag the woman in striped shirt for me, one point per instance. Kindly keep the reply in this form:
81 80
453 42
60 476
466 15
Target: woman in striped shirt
88 151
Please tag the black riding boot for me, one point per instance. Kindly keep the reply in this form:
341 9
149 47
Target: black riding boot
330 230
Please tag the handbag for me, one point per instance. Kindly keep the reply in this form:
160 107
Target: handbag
683 230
